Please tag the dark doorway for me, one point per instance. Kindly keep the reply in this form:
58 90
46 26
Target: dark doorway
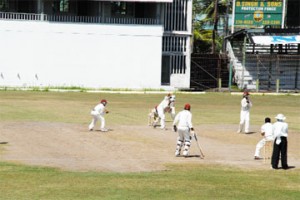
165 70
27 6
83 8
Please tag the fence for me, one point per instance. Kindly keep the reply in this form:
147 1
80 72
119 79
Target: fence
272 72
209 71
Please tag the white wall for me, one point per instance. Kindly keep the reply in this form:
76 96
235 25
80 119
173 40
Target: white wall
84 55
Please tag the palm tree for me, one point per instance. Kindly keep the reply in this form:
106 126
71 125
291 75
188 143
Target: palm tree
215 26
211 10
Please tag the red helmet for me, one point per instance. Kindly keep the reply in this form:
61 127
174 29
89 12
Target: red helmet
187 107
103 101
246 93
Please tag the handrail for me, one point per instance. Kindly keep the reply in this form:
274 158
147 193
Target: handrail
76 19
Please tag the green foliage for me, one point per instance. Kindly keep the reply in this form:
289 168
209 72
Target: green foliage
203 41
203 38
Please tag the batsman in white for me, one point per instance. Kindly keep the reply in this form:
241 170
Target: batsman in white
98 114
183 125
172 106
267 133
246 104
162 108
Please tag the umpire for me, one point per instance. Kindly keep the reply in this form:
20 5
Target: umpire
280 131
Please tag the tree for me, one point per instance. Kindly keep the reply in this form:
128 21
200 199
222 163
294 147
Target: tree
205 14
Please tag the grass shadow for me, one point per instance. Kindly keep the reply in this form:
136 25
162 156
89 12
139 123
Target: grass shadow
190 156
3 142
249 133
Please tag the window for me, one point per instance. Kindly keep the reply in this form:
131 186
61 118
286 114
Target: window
3 5
60 6
64 6
121 9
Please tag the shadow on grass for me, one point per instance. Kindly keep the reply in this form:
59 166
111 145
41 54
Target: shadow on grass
190 156
108 130
248 133
3 142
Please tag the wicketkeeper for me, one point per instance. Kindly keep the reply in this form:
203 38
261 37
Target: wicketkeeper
183 125
153 117
98 114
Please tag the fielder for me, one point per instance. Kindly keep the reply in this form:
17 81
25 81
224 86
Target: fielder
98 114
246 104
184 128
267 133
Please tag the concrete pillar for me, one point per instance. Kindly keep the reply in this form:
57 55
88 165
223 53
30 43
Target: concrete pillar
40 9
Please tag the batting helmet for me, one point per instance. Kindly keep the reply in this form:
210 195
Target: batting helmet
187 107
103 101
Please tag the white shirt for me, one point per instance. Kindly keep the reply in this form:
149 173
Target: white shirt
280 129
163 105
100 109
267 128
245 106
184 119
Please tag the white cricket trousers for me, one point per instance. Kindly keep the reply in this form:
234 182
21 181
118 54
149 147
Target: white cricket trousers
173 114
162 117
260 145
184 136
245 121
95 119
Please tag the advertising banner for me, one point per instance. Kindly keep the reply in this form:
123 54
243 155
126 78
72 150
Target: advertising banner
258 13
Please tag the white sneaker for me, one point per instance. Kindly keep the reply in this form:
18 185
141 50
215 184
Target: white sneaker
177 153
103 129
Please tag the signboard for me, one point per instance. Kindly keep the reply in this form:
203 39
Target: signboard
258 13
267 40
150 1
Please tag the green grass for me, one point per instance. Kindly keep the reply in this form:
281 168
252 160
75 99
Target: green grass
131 109
178 182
